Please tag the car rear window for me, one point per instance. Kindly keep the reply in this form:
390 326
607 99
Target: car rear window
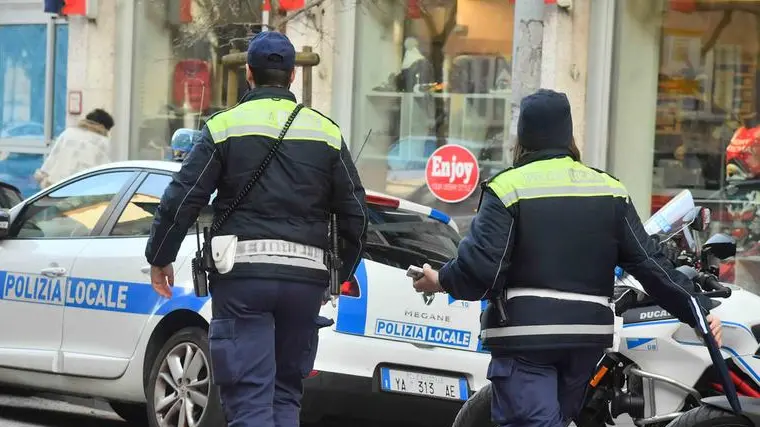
401 238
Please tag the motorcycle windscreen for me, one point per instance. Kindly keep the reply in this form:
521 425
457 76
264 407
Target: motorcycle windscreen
676 215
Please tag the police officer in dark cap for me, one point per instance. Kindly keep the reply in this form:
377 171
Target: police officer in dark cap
542 249
270 273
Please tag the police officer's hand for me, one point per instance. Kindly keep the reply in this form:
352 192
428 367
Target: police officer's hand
162 279
428 283
716 327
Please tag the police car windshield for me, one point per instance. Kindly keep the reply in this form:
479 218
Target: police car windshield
401 238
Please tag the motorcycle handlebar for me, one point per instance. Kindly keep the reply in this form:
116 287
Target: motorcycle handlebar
713 287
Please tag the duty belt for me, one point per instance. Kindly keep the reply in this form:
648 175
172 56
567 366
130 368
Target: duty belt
273 251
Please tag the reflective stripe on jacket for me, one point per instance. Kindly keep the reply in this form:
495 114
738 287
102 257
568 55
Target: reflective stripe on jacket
552 230
311 175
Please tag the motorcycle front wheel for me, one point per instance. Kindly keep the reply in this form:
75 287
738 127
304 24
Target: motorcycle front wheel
708 416
476 412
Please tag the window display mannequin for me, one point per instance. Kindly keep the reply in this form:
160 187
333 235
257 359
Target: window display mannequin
415 68
412 53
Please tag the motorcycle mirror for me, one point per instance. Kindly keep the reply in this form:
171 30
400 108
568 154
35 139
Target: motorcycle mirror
702 220
720 245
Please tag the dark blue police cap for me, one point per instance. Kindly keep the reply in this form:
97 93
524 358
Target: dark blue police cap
270 49
545 121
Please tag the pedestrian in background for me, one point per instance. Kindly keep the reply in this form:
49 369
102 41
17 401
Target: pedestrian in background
542 249
264 332
78 148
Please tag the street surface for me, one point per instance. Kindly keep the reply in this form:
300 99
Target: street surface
56 411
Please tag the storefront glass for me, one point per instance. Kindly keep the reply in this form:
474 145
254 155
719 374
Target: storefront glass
23 66
685 97
430 73
178 77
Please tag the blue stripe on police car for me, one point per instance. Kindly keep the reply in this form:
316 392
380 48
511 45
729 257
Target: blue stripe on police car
95 294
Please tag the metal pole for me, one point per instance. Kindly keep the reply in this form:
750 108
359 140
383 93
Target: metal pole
49 82
526 58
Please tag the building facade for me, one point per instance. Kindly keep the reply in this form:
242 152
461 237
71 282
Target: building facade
155 65
658 87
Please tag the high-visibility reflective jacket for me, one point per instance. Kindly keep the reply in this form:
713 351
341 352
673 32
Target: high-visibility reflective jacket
549 233
311 175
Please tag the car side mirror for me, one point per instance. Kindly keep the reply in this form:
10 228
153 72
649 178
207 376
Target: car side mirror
5 223
9 195
721 246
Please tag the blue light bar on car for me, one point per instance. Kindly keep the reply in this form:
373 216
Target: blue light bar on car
439 216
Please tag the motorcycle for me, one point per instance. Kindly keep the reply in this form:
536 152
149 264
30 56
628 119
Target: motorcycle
659 368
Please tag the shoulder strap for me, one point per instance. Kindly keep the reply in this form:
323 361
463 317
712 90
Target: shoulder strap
217 224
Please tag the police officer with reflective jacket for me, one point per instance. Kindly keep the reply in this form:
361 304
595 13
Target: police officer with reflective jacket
542 248
264 327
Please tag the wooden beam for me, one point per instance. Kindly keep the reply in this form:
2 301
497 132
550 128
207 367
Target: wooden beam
303 59
306 83
232 81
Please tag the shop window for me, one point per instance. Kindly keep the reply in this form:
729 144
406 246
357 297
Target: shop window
22 99
430 73
706 135
59 83
702 92
22 80
179 80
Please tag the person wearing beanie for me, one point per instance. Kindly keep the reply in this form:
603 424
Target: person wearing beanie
280 171
77 148
542 249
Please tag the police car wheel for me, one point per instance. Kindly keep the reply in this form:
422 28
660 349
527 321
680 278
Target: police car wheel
476 412
179 390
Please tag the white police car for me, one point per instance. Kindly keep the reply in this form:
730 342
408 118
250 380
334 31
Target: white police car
80 317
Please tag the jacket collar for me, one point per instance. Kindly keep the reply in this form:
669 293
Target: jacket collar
552 153
268 92
92 127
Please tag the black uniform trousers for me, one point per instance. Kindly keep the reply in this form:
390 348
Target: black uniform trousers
540 388
263 341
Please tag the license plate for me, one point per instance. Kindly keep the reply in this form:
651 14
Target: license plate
419 384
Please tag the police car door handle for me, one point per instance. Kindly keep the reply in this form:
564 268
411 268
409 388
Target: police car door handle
145 269
53 271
